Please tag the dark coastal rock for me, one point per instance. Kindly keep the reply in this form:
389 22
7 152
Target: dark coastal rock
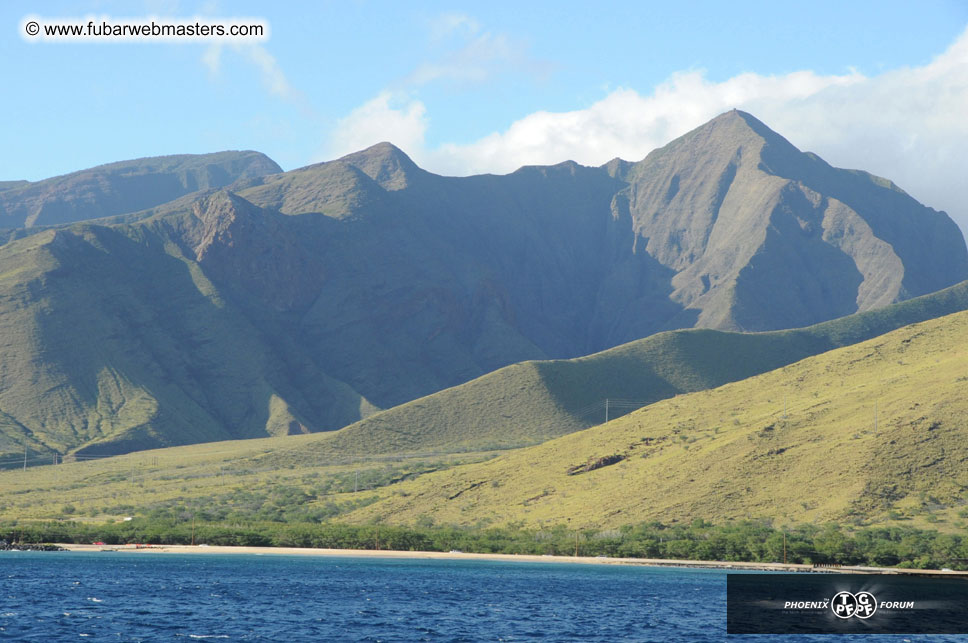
5 546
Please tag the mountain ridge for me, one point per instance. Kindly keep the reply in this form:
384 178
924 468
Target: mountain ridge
126 186
530 402
363 283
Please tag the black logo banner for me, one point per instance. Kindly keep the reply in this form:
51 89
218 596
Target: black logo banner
845 604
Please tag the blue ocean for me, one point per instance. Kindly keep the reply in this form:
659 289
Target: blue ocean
61 596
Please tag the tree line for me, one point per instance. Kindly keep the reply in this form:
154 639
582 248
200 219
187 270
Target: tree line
747 541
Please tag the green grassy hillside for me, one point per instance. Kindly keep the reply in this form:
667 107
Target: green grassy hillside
290 478
114 341
871 432
530 402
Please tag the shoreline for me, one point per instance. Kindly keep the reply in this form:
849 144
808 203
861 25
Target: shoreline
527 558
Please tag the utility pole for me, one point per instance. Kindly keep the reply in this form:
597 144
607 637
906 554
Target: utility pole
576 543
784 547
25 454
875 417
356 485
606 417
193 530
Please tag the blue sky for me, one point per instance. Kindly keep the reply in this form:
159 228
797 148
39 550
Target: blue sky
474 87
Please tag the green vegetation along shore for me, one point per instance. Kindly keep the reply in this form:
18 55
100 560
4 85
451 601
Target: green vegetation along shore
747 541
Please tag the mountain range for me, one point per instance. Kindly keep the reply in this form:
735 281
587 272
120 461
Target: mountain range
222 298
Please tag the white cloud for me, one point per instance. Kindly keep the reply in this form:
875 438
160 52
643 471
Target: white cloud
467 53
477 60
909 125
271 75
212 58
273 78
448 24
386 117
628 124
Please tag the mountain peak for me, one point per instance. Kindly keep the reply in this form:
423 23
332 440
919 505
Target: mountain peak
386 164
738 127
735 128
732 138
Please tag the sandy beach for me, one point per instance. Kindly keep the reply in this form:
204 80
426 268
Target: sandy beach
453 555
526 558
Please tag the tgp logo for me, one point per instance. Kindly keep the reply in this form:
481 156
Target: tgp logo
861 605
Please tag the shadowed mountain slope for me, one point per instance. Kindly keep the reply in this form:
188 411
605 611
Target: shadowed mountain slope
531 402
749 223
115 340
306 300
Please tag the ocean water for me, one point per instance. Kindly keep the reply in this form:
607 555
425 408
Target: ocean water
68 596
